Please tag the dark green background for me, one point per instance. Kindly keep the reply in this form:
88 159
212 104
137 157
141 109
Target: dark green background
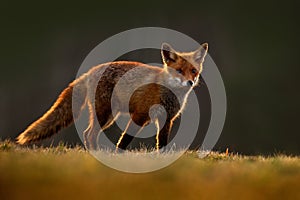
255 44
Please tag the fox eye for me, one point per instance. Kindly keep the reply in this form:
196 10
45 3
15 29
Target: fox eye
194 71
179 71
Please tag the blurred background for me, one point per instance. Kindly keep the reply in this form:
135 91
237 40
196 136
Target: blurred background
254 44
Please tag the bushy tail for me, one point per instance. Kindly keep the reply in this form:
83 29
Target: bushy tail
60 115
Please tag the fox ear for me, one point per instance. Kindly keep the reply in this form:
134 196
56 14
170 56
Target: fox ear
200 53
168 54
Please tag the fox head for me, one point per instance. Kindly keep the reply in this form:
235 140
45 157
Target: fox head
185 67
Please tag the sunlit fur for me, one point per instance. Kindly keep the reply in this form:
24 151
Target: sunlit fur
181 72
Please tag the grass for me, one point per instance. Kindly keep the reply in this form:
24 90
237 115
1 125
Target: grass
72 173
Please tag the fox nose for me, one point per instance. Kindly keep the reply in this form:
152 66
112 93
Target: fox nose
190 83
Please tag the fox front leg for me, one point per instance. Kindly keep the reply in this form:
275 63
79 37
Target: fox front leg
120 143
126 139
162 135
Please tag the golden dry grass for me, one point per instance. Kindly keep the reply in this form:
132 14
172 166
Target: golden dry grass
72 173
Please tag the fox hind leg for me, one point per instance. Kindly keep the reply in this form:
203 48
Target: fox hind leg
89 136
98 123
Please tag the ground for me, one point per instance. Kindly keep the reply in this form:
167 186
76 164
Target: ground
72 173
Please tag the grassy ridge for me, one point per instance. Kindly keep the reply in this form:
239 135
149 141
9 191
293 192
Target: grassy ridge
62 172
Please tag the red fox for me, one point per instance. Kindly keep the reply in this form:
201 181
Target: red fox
180 72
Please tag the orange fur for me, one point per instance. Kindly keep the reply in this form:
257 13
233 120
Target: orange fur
181 71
